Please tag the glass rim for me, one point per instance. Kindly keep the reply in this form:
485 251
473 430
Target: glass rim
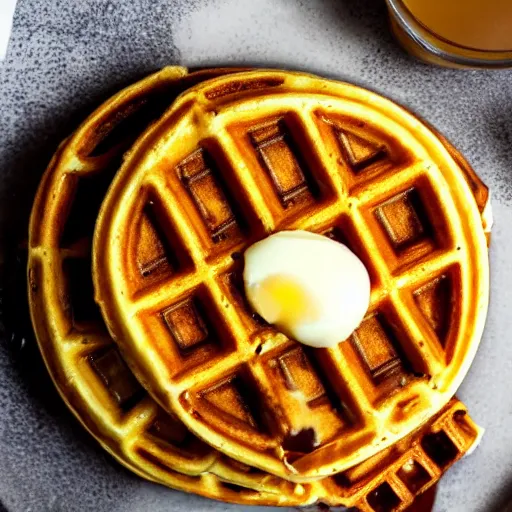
446 50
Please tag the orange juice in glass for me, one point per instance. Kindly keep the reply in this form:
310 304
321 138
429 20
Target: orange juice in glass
474 33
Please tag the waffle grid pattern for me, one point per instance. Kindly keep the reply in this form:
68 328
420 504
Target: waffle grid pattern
102 392
242 180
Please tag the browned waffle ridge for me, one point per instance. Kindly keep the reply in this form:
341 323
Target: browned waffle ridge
237 158
96 384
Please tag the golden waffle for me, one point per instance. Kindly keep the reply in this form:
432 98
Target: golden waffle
239 157
96 384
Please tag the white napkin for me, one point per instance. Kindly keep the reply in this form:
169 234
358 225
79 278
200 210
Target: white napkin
6 15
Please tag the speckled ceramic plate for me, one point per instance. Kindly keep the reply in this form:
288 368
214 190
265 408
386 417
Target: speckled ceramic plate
65 57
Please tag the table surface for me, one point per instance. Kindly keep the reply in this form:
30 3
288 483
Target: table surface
65 56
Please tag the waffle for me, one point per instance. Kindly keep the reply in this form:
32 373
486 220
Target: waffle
93 379
241 156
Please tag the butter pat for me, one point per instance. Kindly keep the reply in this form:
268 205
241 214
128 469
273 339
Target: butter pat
313 289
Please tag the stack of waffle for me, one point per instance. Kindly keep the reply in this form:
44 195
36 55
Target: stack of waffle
136 297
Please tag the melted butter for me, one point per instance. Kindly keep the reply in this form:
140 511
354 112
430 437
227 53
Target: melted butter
283 301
